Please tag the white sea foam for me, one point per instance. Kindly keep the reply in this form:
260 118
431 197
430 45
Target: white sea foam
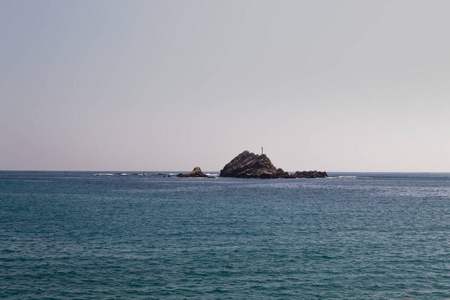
212 175
347 177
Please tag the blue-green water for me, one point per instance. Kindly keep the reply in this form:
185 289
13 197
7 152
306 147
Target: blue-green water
365 236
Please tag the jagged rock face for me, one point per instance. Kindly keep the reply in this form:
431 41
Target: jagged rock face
197 172
250 165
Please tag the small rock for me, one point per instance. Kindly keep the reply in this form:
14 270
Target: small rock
197 172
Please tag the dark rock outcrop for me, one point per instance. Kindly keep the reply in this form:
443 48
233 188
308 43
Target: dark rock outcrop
310 174
197 172
250 165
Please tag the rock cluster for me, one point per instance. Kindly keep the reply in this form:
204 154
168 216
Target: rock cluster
197 172
250 165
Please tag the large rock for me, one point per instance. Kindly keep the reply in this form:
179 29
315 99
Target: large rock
250 165
197 172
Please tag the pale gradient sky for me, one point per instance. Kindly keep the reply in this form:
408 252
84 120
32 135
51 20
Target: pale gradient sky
169 85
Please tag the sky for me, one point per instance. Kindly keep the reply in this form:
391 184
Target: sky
356 86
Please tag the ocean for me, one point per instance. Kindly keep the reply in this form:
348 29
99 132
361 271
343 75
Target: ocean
67 235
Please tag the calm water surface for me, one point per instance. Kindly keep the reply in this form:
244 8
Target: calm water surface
68 235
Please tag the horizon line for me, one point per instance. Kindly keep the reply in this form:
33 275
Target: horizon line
154 171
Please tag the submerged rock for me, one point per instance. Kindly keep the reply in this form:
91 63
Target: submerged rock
250 165
197 172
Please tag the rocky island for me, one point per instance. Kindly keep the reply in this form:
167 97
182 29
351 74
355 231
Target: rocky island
197 172
250 165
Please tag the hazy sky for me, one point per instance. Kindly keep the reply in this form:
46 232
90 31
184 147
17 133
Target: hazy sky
169 85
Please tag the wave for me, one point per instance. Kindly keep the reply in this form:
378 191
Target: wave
343 177
103 174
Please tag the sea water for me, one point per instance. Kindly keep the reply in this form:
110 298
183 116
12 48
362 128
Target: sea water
66 235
